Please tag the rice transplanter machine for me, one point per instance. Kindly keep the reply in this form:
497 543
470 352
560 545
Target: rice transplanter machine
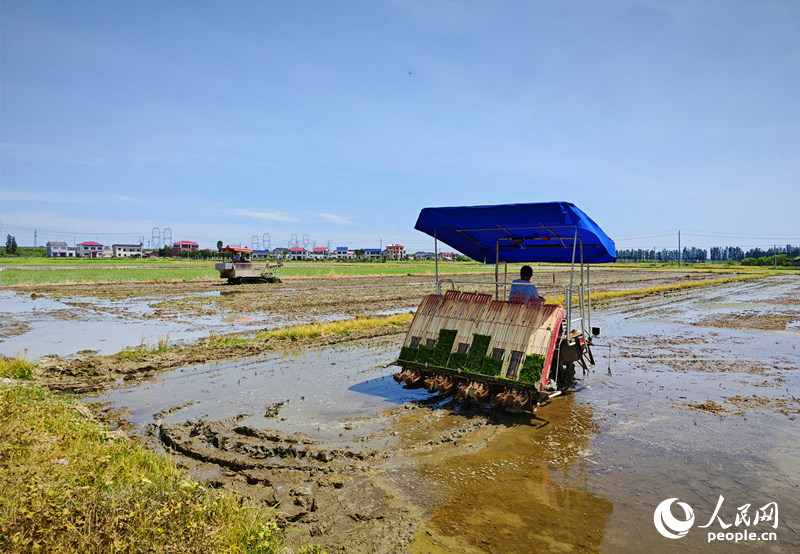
511 352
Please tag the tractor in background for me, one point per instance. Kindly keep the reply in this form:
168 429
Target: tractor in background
240 269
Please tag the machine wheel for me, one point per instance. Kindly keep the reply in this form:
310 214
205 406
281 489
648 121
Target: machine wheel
565 375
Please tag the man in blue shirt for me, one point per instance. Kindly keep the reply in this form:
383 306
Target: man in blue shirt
522 288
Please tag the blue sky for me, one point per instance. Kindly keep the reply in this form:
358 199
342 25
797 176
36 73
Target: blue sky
341 120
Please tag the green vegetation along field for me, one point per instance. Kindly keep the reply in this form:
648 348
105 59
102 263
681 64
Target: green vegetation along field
71 485
103 272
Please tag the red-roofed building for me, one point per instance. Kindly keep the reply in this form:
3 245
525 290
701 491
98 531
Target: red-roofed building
298 253
319 253
183 246
89 249
395 252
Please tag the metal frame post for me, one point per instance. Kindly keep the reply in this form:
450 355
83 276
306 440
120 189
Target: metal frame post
496 271
505 281
589 298
568 301
436 259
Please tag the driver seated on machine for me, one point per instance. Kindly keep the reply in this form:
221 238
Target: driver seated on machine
522 289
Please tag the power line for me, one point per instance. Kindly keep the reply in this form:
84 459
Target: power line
740 235
649 235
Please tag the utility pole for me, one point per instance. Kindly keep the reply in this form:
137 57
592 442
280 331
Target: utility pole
775 249
679 248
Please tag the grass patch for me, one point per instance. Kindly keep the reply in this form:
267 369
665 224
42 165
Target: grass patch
105 275
676 286
139 353
215 340
343 328
68 486
16 368
149 271
608 295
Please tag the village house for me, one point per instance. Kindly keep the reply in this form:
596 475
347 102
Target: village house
395 252
89 249
183 246
59 249
281 253
422 255
298 253
319 253
126 250
373 253
343 253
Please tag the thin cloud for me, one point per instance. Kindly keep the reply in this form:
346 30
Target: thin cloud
126 198
269 216
337 219
52 196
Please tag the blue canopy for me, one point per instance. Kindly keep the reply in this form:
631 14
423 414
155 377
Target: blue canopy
539 232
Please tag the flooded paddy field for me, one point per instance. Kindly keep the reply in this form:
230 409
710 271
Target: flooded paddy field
695 396
68 319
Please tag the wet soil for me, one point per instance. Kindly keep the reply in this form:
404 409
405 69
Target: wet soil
694 396
64 319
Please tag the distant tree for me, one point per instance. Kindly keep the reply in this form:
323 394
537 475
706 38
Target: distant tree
219 245
11 245
736 253
694 255
783 259
359 252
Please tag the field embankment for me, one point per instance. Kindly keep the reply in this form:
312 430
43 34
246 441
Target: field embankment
69 484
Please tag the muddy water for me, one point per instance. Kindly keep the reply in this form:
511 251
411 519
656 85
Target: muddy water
330 394
35 325
695 399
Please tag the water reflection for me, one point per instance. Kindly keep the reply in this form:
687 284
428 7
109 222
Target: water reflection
511 495
327 393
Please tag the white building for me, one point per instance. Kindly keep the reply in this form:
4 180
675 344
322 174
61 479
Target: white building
126 250
343 253
59 249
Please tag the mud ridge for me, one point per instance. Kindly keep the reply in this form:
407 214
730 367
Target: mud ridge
340 496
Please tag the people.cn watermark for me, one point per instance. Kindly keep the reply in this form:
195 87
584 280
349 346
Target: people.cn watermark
673 527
